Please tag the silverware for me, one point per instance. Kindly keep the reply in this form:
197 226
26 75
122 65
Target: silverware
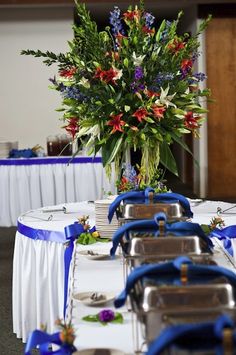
219 210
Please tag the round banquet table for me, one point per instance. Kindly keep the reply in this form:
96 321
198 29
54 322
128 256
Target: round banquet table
38 277
38 268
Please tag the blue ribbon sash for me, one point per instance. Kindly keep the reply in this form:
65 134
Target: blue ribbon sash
69 235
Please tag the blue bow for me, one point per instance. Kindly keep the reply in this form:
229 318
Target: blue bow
170 272
40 339
225 234
201 336
72 232
151 225
143 197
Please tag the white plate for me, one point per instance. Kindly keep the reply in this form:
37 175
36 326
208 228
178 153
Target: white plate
99 352
95 256
85 298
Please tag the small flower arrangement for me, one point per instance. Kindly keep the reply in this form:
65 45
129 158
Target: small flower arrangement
104 317
130 86
215 222
90 235
67 332
131 180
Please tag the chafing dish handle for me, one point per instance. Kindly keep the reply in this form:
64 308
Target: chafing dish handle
201 336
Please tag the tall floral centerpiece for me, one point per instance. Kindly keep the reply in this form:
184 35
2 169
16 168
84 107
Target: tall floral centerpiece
130 86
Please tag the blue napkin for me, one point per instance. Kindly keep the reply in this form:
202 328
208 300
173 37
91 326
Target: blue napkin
225 235
43 341
22 153
171 271
143 197
201 336
151 225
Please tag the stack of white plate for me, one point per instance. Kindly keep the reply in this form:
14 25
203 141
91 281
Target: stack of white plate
105 229
6 147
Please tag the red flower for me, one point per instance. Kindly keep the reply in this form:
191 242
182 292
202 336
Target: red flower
106 75
132 15
116 123
67 73
120 37
151 93
158 111
191 122
140 114
109 75
186 64
176 46
72 127
145 29
98 73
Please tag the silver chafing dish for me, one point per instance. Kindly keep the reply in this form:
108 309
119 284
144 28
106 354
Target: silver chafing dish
153 250
161 306
132 211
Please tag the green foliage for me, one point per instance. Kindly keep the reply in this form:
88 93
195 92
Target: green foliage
94 318
87 238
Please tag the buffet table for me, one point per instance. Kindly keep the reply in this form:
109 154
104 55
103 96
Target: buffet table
28 184
38 276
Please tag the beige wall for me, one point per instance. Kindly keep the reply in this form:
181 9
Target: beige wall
27 106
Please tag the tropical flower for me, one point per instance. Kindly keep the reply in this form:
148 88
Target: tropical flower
131 85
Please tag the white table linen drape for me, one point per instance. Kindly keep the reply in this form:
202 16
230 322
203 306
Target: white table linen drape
28 187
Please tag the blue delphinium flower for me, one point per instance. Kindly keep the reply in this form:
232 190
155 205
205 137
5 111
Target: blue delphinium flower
196 78
162 77
149 19
131 175
115 21
199 76
71 92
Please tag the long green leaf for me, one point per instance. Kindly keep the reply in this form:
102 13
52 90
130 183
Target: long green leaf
167 159
110 149
180 141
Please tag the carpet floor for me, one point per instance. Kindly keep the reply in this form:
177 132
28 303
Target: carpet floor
9 344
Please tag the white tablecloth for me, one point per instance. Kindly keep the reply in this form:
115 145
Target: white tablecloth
38 279
28 184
